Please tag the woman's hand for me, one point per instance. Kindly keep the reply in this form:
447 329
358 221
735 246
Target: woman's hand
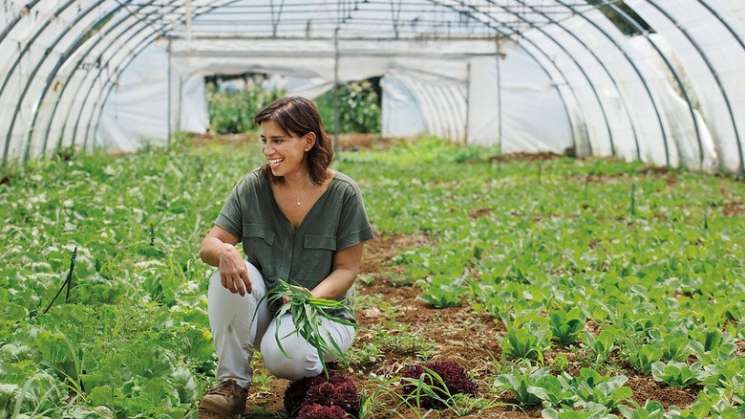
233 273
286 298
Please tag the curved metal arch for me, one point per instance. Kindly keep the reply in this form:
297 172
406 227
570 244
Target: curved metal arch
636 70
496 29
72 73
586 76
741 171
23 52
103 103
101 53
31 41
570 56
712 70
540 65
162 31
15 21
672 70
98 75
110 86
530 54
561 96
77 43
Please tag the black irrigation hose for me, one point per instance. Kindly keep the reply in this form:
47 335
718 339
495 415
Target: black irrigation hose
67 283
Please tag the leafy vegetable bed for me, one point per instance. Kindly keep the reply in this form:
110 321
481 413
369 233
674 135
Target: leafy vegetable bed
598 273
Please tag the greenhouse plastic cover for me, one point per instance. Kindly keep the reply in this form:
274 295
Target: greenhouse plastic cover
118 74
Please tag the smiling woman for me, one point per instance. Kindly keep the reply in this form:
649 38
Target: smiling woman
299 221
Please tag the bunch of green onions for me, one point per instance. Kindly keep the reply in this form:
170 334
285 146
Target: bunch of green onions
307 313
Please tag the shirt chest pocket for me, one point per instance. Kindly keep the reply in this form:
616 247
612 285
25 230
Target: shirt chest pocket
318 256
258 243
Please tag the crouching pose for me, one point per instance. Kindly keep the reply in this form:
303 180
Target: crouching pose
299 221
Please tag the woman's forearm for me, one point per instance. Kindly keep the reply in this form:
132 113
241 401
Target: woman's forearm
336 284
212 248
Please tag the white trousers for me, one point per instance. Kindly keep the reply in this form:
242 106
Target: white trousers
236 335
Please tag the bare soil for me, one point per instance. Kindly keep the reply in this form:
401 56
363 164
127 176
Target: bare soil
522 156
357 141
202 139
646 388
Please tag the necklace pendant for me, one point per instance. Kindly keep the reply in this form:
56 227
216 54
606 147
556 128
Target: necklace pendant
298 203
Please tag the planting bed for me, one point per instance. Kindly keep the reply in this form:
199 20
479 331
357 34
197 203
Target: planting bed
557 284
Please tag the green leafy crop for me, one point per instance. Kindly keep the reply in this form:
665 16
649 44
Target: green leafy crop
566 326
525 343
676 374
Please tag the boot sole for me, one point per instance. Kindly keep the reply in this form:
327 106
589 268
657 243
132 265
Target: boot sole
215 408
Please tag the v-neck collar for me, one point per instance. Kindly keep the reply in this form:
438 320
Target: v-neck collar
283 216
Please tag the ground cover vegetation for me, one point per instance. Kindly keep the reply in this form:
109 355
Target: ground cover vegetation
568 288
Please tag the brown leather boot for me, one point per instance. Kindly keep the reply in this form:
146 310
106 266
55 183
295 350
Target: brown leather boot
224 400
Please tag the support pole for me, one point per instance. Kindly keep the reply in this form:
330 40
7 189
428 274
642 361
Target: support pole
499 95
168 107
468 100
180 102
336 90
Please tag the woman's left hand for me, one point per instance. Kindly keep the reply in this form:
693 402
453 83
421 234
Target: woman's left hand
286 298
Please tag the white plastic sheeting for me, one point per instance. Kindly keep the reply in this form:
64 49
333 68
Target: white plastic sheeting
527 97
137 111
592 86
713 62
683 131
428 85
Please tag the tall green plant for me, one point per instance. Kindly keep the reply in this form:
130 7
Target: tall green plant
359 110
232 112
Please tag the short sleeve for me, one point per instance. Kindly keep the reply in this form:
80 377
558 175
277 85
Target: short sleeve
354 226
230 216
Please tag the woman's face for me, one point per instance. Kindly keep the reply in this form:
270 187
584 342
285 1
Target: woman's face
284 152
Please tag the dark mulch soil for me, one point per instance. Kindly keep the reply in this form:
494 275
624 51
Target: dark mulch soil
646 388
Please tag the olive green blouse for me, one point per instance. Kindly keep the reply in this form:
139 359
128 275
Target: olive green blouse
304 256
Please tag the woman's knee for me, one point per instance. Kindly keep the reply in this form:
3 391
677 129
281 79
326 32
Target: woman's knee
299 359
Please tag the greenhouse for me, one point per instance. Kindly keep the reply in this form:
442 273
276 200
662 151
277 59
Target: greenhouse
553 217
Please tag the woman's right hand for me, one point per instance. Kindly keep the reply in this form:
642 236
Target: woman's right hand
233 273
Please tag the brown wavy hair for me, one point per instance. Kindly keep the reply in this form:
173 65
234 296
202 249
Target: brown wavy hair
298 116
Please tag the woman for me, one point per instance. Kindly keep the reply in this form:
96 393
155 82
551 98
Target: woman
298 220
